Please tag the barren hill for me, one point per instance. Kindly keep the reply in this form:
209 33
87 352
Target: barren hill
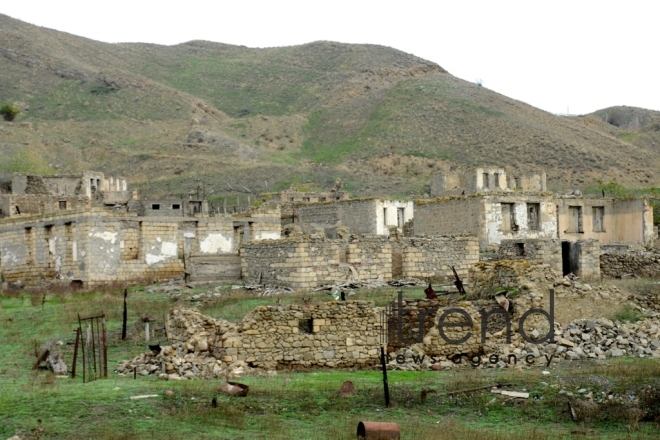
239 119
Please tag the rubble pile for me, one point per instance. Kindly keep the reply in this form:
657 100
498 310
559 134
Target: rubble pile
193 354
177 362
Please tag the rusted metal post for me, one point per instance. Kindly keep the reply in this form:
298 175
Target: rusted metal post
105 348
386 386
123 327
83 346
458 283
75 353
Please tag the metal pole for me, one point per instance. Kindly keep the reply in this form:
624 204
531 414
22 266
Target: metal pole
123 327
105 349
385 384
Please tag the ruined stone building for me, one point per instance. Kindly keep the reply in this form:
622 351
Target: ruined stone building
308 262
91 242
491 217
33 194
97 246
360 216
626 221
484 180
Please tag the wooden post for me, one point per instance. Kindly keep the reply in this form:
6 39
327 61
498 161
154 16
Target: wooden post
146 332
123 327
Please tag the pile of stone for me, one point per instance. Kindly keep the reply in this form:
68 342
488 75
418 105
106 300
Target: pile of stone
177 362
582 339
194 351
573 288
602 338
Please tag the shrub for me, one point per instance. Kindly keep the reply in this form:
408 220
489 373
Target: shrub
628 314
9 111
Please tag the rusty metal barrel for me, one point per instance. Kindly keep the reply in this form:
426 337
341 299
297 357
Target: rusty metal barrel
378 431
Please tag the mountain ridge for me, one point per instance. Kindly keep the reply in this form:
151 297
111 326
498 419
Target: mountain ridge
173 117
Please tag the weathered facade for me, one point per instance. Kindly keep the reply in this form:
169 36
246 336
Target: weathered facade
492 218
624 221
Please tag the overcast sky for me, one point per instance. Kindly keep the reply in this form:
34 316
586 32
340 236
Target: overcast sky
562 56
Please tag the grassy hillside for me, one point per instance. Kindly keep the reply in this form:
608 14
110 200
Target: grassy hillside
238 119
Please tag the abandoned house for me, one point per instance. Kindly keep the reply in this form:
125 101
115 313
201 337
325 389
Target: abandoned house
620 221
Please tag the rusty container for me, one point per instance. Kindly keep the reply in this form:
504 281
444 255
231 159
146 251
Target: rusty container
378 431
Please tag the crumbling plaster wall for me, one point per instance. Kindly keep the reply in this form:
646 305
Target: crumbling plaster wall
547 220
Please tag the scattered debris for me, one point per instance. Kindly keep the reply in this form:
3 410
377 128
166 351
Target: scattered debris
515 394
144 396
234 389
469 390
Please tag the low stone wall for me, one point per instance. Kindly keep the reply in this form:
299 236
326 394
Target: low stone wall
334 334
644 264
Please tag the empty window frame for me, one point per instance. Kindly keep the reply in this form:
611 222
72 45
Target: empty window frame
598 218
575 219
385 216
62 204
533 216
496 180
155 206
401 217
486 182
508 217
176 206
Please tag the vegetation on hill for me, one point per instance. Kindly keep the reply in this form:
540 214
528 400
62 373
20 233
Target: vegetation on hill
242 120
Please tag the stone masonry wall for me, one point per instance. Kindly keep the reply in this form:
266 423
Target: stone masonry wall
432 258
13 205
534 251
641 263
449 216
97 246
313 262
334 334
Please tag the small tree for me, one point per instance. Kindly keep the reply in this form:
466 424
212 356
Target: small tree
9 111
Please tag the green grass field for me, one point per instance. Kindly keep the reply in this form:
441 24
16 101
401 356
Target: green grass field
305 405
